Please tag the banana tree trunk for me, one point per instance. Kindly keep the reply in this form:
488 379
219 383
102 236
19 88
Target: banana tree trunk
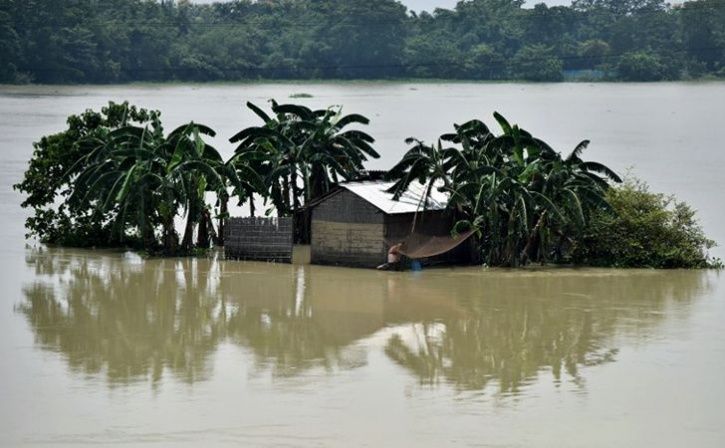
147 231
285 195
295 190
149 241
223 211
213 237
533 236
318 182
307 186
512 242
171 239
202 239
188 239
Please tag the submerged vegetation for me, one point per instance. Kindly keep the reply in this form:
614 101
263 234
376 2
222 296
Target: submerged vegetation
107 41
113 320
116 179
642 228
528 203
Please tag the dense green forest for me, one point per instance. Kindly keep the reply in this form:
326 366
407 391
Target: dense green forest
108 41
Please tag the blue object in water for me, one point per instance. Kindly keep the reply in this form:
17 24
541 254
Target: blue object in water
415 266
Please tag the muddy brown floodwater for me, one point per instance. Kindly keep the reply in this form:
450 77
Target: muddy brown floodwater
103 347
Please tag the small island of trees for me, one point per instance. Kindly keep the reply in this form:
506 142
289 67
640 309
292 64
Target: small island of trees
115 178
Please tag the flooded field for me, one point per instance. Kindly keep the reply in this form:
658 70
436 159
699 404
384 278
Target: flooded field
109 348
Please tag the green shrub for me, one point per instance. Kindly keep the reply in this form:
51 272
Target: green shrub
641 66
537 63
49 180
644 229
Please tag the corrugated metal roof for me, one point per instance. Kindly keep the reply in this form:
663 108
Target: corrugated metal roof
410 201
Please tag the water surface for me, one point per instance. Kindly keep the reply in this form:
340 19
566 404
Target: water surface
108 348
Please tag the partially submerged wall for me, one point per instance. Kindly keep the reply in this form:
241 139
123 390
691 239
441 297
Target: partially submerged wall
348 231
262 239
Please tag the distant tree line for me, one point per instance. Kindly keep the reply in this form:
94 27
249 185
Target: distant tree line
109 41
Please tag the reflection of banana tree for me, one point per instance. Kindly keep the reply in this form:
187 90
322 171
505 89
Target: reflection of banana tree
136 320
127 322
280 321
510 339
141 319
472 352
287 343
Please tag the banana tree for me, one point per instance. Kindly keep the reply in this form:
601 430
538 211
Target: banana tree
269 151
121 179
301 152
521 196
197 168
330 152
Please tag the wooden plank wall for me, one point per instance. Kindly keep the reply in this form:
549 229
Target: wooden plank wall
262 239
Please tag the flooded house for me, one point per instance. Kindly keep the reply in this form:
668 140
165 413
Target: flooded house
356 224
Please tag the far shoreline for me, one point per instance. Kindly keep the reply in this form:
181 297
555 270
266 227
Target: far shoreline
421 81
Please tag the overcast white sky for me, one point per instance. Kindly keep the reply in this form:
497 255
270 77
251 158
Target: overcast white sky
429 5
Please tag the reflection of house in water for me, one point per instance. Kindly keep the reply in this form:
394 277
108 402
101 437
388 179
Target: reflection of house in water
356 223
302 316
294 319
465 326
